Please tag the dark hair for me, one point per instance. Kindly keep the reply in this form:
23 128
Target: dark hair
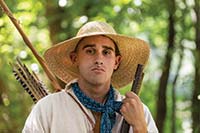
117 52
76 48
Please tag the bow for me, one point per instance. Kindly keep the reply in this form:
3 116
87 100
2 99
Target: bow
41 61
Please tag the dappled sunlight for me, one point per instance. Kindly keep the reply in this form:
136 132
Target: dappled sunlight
46 23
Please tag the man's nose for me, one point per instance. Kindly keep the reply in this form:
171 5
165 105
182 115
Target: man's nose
99 58
99 62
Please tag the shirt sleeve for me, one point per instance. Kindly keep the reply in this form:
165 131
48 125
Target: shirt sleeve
37 121
151 126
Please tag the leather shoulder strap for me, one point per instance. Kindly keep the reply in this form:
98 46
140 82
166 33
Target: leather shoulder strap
88 117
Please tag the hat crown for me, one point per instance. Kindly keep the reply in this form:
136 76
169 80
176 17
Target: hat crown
133 51
95 27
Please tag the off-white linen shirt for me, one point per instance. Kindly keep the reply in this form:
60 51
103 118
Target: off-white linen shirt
59 113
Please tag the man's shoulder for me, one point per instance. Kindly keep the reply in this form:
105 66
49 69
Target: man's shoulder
53 97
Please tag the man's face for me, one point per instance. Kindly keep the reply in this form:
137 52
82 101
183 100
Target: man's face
96 60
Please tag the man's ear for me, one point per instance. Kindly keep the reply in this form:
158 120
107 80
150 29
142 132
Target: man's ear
117 62
73 57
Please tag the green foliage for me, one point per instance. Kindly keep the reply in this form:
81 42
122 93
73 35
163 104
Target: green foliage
16 102
143 19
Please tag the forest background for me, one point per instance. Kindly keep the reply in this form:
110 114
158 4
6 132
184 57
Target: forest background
171 85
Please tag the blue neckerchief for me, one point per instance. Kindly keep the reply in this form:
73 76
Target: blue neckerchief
108 109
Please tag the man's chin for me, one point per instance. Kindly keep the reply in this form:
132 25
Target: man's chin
99 82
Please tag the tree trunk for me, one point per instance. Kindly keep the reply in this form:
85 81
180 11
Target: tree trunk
53 14
173 115
161 101
196 90
2 90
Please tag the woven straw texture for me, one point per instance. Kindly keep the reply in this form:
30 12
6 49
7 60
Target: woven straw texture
133 51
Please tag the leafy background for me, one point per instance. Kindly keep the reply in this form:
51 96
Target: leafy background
171 84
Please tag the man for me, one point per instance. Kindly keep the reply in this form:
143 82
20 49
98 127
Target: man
93 63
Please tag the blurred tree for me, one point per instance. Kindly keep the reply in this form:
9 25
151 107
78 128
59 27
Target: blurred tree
179 52
161 101
51 21
196 90
2 90
16 104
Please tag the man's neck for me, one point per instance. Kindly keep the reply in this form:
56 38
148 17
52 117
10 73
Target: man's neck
96 92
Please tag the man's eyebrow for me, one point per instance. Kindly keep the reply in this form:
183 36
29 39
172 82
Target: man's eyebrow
107 47
93 45
88 45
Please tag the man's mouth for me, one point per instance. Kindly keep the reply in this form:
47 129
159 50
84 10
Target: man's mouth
98 70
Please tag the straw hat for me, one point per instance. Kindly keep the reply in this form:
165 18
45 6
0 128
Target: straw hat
133 51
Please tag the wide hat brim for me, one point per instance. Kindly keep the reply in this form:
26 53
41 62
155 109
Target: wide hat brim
133 51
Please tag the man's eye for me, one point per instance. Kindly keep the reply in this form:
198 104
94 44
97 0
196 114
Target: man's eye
90 51
106 52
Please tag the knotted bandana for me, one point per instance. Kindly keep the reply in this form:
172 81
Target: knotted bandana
108 109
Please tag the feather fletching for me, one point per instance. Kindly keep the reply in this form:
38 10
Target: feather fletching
29 81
